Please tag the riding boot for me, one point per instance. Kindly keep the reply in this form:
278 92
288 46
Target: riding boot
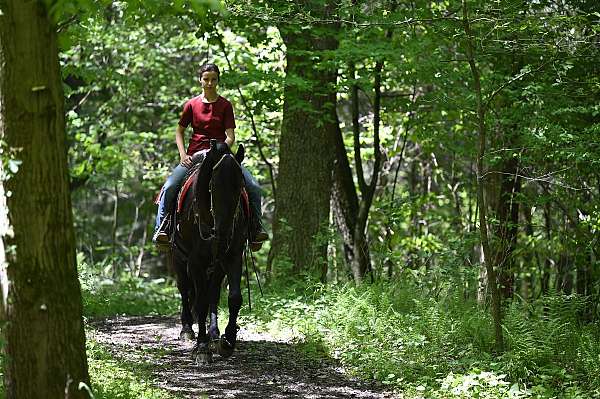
258 234
161 237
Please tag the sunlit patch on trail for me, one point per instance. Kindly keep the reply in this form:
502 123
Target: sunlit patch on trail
261 366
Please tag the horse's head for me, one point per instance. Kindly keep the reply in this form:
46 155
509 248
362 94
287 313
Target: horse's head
216 152
225 186
220 182
208 160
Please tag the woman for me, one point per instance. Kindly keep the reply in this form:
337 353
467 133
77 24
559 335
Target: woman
211 117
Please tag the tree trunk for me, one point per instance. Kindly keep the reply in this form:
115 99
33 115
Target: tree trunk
5 230
564 265
507 213
305 155
412 260
548 262
361 262
344 198
115 226
482 280
584 274
481 111
45 341
532 260
354 218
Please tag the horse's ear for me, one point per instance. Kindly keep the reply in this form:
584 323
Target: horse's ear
239 155
222 148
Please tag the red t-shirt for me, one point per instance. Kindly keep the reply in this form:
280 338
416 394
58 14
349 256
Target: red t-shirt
209 121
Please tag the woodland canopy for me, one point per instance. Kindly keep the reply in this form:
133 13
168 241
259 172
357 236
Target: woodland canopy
430 175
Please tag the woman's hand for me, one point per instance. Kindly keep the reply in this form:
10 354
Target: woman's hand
186 160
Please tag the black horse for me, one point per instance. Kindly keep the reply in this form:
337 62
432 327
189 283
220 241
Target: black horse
209 237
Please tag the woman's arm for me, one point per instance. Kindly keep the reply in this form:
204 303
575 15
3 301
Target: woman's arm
185 159
230 133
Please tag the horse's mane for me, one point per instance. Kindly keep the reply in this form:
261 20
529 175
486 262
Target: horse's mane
203 170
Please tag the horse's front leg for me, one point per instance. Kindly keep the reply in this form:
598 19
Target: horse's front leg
234 277
179 264
201 351
214 296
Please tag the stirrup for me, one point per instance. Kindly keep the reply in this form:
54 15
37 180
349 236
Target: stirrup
259 234
256 246
161 237
257 238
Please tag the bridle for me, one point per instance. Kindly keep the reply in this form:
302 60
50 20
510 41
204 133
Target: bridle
237 208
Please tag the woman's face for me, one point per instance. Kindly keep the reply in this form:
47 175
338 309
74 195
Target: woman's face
209 80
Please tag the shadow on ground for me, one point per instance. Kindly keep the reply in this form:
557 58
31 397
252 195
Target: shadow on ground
260 368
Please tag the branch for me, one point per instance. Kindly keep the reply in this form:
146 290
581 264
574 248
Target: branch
82 100
544 178
376 124
304 19
61 26
362 184
511 81
251 115
404 140
483 232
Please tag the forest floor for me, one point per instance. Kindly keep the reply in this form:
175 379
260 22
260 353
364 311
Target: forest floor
263 365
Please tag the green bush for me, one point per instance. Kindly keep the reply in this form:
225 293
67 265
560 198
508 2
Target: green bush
126 294
548 345
116 379
400 336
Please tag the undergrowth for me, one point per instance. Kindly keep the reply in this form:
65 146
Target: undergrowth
393 332
104 296
398 335
126 294
115 379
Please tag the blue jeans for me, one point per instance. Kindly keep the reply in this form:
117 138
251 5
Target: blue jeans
173 183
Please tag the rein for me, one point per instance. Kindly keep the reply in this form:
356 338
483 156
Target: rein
195 204
236 207
236 215
248 249
238 210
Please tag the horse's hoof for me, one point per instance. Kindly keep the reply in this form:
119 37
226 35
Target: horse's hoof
226 347
187 334
202 354
203 359
213 345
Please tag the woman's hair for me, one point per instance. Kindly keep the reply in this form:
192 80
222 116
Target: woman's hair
209 68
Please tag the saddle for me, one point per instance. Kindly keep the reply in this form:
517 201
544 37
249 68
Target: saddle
187 183
189 179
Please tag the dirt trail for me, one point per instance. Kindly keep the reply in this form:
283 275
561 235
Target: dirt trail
261 367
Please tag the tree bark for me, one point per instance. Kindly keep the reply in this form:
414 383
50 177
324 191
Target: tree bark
362 262
354 223
507 213
115 226
548 262
305 148
344 197
45 340
532 260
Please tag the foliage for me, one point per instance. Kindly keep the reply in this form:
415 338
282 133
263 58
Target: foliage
128 67
127 76
404 338
104 296
115 379
549 342
125 295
